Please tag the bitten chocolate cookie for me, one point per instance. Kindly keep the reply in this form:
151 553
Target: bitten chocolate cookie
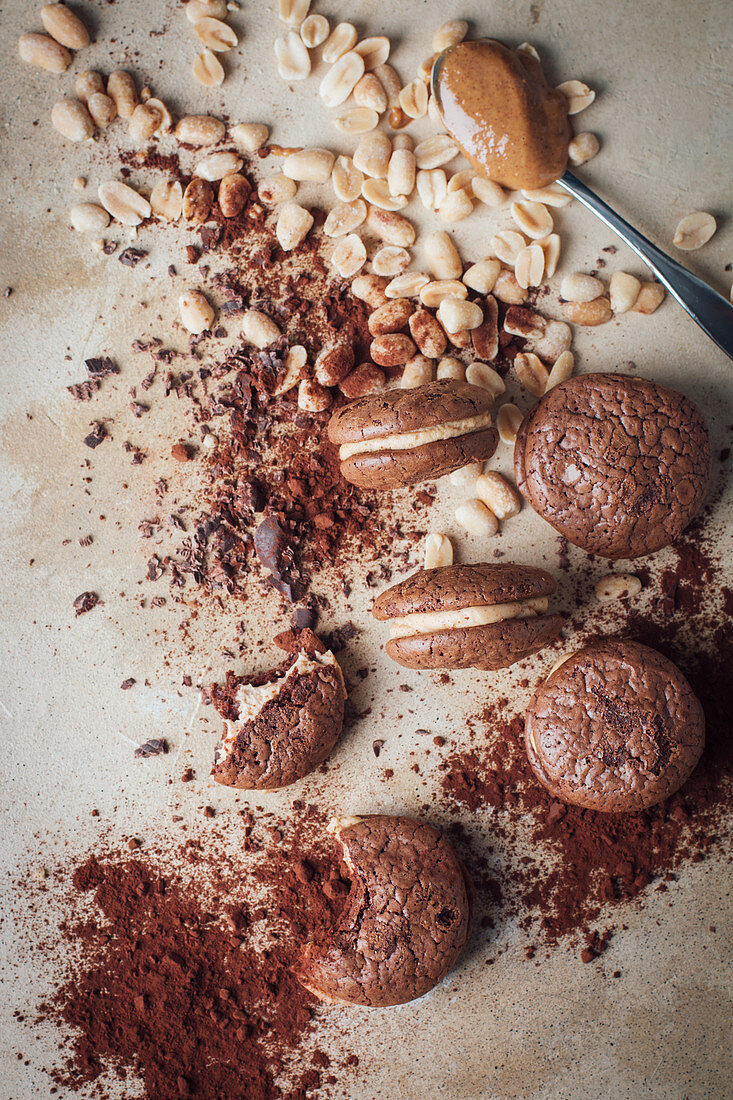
279 726
406 920
615 728
462 616
399 437
617 465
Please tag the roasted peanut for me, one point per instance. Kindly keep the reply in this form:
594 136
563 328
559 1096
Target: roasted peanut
44 52
498 495
427 334
63 25
391 317
234 191
198 198
197 313
392 350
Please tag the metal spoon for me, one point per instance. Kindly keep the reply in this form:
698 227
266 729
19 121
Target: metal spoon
712 312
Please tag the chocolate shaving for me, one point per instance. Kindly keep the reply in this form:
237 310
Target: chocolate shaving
97 435
85 602
154 747
131 257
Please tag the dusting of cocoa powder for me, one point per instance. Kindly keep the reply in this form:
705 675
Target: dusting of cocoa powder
180 972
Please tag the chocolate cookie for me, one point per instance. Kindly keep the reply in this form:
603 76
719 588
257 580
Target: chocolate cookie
399 437
614 728
280 726
461 616
406 920
617 465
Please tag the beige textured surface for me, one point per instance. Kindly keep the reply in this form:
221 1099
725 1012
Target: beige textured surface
516 1030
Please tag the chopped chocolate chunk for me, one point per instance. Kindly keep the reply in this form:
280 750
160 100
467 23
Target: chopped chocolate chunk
84 391
85 602
377 746
188 775
338 638
97 435
180 452
127 684
101 366
131 257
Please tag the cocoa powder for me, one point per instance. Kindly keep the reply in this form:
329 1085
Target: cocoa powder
181 974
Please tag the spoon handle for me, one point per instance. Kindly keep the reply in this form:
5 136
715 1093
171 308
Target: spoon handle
712 312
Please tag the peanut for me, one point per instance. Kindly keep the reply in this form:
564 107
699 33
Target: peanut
314 165
407 285
372 155
392 350
259 329
531 372
649 299
166 200
427 334
197 313
484 376
87 217
208 70
102 109
66 27
341 40
121 88
198 198
349 256
87 83
293 225
369 92
391 227
418 372
390 260
370 289
314 31
217 165
442 256
596 312
482 276
583 148
508 423
458 315
623 290
293 59
346 179
561 371
578 95
694 230
71 118
234 190
393 316
581 288
312 397
438 551
362 380
617 586
200 130
356 120
250 136
341 79
498 495
276 189
215 35
435 152
451 368
44 52
333 364
344 218
477 519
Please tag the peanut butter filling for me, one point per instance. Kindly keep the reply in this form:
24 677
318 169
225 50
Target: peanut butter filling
430 622
405 441
500 109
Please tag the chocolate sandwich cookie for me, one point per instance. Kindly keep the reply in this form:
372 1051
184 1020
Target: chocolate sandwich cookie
399 437
462 616
279 726
617 465
614 728
407 917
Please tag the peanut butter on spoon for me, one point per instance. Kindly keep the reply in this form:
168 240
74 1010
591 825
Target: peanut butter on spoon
502 112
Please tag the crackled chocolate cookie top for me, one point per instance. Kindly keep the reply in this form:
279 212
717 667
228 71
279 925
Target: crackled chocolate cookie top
616 727
406 921
485 616
281 725
617 465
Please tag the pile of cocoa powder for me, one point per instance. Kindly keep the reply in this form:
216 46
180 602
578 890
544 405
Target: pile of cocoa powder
180 968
